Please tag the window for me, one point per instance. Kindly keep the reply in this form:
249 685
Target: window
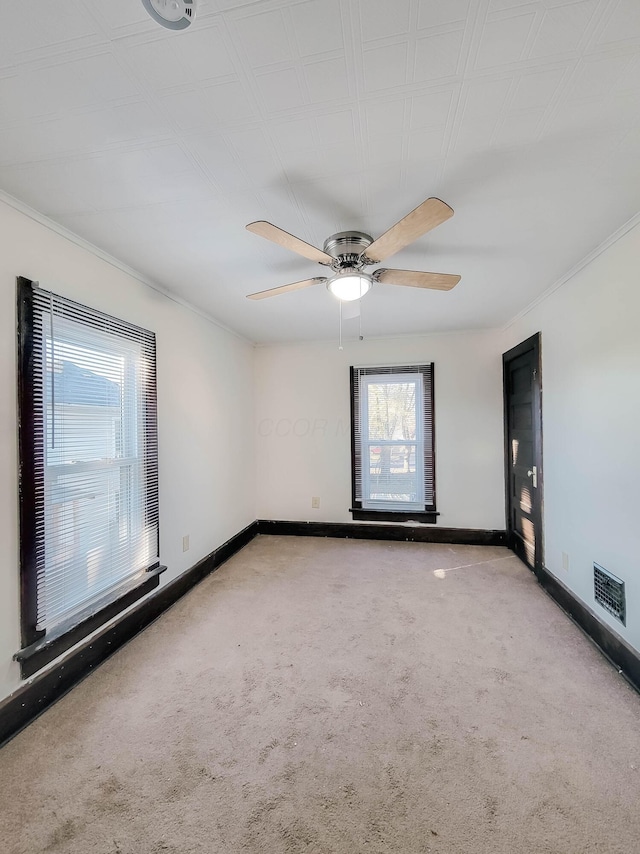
88 470
393 469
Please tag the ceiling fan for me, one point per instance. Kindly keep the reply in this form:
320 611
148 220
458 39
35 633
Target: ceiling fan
347 253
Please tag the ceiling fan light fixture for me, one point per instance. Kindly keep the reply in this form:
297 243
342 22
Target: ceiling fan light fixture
349 284
172 14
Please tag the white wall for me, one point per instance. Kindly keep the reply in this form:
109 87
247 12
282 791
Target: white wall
303 446
591 424
205 408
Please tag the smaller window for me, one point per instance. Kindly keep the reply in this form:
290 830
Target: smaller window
393 471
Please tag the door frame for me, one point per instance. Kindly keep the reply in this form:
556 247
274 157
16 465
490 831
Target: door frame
533 343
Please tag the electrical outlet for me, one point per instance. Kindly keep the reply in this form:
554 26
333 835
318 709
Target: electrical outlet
315 503
185 543
565 561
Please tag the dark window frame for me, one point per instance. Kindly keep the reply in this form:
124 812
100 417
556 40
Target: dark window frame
429 514
39 646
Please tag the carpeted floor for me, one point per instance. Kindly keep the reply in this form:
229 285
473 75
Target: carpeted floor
334 697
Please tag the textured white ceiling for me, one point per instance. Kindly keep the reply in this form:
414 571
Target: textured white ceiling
323 115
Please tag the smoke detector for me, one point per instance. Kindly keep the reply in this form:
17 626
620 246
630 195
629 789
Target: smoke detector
172 14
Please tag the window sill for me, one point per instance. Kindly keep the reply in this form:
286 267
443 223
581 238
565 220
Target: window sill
34 657
422 516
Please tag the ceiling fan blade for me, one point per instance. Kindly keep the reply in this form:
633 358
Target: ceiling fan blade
426 216
283 238
415 279
283 289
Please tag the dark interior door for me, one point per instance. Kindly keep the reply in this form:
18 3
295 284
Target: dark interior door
523 450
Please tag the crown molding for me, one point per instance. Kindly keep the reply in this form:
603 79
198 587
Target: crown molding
588 259
72 237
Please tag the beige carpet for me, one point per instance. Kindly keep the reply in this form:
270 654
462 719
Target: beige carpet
328 696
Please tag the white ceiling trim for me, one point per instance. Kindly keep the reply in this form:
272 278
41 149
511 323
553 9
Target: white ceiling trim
606 244
71 236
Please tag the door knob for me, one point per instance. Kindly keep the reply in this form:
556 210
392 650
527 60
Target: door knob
533 473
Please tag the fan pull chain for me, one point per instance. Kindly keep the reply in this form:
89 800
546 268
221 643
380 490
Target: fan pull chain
340 344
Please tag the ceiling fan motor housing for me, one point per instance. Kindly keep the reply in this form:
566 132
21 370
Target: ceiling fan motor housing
172 14
347 247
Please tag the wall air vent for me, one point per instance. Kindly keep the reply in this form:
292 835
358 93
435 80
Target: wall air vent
609 592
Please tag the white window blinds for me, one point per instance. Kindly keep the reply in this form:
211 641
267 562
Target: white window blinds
93 383
393 459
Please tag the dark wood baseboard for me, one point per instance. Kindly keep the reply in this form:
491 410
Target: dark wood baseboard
31 699
623 657
405 533
33 658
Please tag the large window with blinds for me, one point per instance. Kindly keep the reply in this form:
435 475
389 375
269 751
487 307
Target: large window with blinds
88 467
393 465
